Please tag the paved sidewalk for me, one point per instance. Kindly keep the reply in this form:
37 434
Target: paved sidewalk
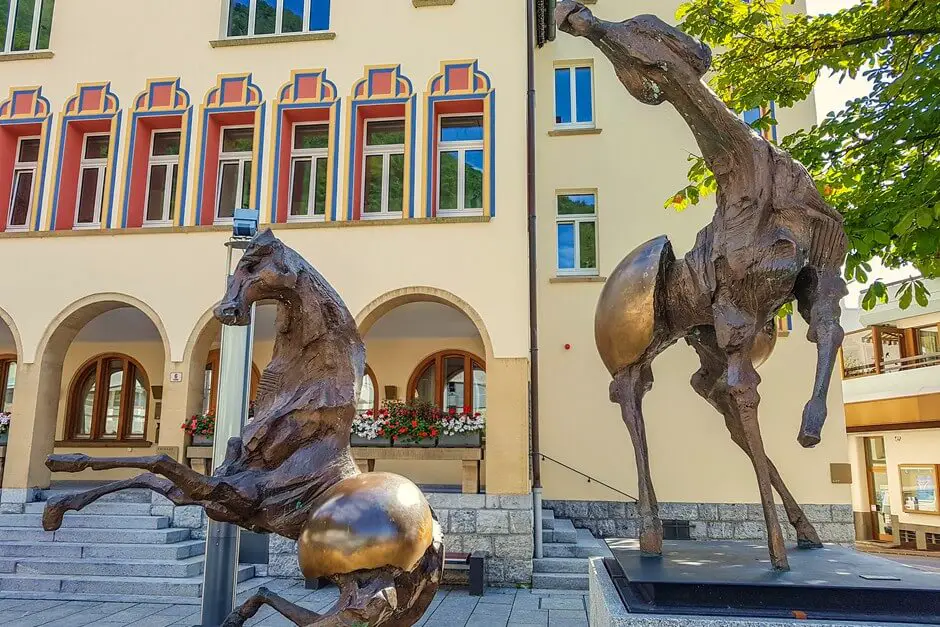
452 607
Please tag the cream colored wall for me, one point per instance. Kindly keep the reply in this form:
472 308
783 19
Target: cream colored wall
393 361
635 163
902 448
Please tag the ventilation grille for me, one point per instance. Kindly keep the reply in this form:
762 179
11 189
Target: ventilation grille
677 530
908 538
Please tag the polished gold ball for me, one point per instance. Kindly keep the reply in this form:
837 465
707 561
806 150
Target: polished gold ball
372 520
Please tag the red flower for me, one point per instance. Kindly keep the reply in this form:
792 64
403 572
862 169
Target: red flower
423 434
414 424
466 409
369 412
477 415
381 431
433 432
403 430
452 411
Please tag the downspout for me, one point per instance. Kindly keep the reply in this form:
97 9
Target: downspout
533 283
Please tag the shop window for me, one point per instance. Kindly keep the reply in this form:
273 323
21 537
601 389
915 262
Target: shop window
576 226
25 24
574 96
368 393
235 163
460 165
210 389
162 178
919 489
7 382
309 171
92 174
251 18
383 184
22 197
109 401
451 380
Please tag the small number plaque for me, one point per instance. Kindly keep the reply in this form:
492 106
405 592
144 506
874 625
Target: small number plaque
176 377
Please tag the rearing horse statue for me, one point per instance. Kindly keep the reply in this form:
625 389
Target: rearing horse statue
773 239
292 472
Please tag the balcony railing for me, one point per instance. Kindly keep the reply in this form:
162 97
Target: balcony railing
892 365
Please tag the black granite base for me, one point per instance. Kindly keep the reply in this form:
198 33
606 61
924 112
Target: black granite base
736 579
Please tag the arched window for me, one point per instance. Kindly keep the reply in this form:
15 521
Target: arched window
7 381
109 400
210 386
368 392
442 379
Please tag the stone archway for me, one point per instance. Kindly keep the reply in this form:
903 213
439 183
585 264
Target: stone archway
39 386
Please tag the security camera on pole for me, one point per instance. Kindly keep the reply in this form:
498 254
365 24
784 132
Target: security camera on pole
218 588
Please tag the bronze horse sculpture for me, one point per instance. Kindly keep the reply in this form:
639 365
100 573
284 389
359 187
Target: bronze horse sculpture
292 473
773 239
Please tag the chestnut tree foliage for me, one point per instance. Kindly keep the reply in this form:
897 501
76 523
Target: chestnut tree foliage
878 159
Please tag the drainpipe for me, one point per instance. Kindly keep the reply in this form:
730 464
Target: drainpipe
533 285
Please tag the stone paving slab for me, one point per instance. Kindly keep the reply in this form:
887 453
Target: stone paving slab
452 607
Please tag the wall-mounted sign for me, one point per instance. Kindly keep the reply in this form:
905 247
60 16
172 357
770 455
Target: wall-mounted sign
176 377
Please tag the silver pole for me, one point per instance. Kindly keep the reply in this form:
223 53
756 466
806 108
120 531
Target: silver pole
537 513
220 579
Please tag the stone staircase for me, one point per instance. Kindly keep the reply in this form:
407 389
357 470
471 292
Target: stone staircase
566 551
115 549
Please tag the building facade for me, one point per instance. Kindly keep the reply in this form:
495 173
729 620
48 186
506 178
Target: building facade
385 142
892 410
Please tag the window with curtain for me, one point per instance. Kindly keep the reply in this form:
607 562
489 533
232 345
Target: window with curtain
109 400
162 177
451 380
256 18
368 393
237 151
25 25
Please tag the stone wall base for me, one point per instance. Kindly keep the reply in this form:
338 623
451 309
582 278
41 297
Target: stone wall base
710 521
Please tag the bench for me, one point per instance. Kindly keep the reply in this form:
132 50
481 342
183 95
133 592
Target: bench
471 458
474 562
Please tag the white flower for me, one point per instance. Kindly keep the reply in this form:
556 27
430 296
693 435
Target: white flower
462 423
368 427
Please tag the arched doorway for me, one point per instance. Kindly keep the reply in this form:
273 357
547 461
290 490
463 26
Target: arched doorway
9 351
454 380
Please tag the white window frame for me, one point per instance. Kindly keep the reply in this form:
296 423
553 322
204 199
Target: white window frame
385 151
34 33
102 166
312 155
278 21
573 66
20 167
577 219
170 191
241 158
461 148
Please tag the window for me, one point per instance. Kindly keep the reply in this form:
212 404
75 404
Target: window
577 234
234 191
210 385
460 163
109 400
162 176
25 24
919 489
368 398
92 173
24 182
309 167
384 169
927 343
753 115
574 96
7 382
249 18
443 379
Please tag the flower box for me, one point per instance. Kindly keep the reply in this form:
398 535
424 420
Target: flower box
203 440
461 440
425 443
356 440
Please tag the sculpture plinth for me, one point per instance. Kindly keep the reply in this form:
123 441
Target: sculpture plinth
773 240
292 471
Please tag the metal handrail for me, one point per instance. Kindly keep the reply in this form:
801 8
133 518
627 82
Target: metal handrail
894 365
587 476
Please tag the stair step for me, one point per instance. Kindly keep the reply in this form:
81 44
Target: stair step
560 581
584 547
189 567
563 532
560 565
548 519
132 495
95 536
98 508
88 521
178 550
89 584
